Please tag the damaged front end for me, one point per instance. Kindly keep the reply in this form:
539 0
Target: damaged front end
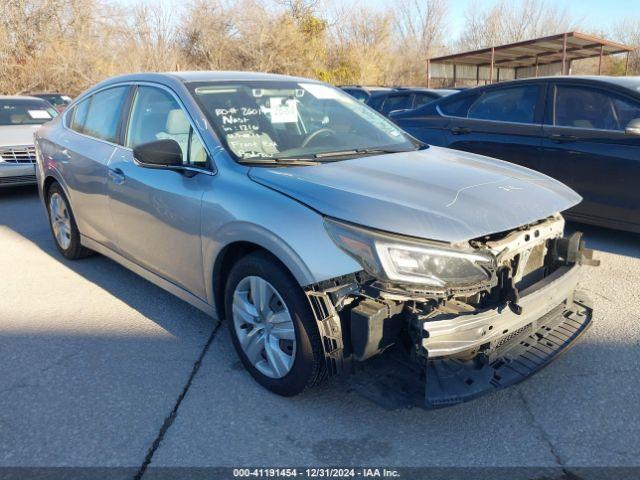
472 318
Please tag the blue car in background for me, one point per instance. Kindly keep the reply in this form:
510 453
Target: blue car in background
582 131
386 99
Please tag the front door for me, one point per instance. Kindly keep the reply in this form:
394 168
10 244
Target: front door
156 213
586 147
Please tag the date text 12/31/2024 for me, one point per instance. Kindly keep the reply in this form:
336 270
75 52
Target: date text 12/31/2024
315 473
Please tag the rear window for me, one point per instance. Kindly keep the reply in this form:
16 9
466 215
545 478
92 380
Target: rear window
99 115
358 94
25 112
423 99
457 107
396 102
514 105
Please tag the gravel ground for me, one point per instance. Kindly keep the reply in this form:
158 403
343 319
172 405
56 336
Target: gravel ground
97 369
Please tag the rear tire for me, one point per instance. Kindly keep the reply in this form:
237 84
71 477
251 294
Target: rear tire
272 326
63 224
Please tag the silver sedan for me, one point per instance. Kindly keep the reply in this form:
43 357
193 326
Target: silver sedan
319 230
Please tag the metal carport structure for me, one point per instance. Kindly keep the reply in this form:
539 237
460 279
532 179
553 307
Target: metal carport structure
560 49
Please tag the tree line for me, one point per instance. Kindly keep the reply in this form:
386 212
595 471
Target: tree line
68 45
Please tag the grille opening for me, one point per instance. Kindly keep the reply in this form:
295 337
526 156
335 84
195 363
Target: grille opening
25 154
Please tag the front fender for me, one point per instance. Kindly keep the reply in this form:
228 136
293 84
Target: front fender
290 231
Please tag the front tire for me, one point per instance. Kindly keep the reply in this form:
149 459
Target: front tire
272 326
63 224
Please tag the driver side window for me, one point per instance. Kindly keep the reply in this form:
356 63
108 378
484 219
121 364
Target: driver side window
155 115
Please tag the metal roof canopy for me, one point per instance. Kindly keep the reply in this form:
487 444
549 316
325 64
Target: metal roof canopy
562 48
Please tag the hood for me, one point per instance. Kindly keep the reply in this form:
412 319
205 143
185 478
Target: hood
13 135
437 193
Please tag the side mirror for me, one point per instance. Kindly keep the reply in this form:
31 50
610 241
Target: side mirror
160 153
633 127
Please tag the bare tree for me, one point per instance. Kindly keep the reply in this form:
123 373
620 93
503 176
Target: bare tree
420 27
628 32
69 45
361 45
511 21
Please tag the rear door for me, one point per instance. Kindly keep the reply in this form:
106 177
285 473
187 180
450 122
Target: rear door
586 147
84 151
503 122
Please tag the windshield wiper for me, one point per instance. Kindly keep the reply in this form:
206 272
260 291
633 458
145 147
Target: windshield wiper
358 151
279 161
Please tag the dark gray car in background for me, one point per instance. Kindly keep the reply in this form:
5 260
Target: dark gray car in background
319 230
582 131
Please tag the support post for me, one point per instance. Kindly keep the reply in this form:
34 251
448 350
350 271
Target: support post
455 74
428 73
564 54
536 65
626 64
493 61
498 79
600 60
477 75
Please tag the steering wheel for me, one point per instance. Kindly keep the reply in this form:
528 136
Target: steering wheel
314 135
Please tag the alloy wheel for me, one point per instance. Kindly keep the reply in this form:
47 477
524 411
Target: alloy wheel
60 220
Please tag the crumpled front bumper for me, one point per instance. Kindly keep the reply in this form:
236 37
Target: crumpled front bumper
511 348
513 359
465 332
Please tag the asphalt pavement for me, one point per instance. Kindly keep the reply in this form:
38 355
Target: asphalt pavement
98 367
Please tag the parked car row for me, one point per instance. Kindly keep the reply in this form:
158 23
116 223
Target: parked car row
386 99
582 131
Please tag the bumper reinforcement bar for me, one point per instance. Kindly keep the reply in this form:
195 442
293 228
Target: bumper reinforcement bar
451 381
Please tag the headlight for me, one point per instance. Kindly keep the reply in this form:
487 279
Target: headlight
387 257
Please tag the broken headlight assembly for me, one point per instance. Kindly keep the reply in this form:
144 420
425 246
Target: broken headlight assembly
407 261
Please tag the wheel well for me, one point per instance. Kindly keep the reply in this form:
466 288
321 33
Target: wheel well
225 261
46 185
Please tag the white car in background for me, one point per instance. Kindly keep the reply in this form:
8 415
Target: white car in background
19 118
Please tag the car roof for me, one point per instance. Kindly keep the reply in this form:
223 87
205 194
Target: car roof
205 76
19 97
626 82
369 88
173 78
48 94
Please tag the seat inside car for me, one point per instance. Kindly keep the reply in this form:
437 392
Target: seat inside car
176 128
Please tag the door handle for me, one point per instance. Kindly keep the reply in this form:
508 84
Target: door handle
560 138
116 175
460 130
65 154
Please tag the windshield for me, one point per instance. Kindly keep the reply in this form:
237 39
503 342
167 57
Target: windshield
25 112
278 120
